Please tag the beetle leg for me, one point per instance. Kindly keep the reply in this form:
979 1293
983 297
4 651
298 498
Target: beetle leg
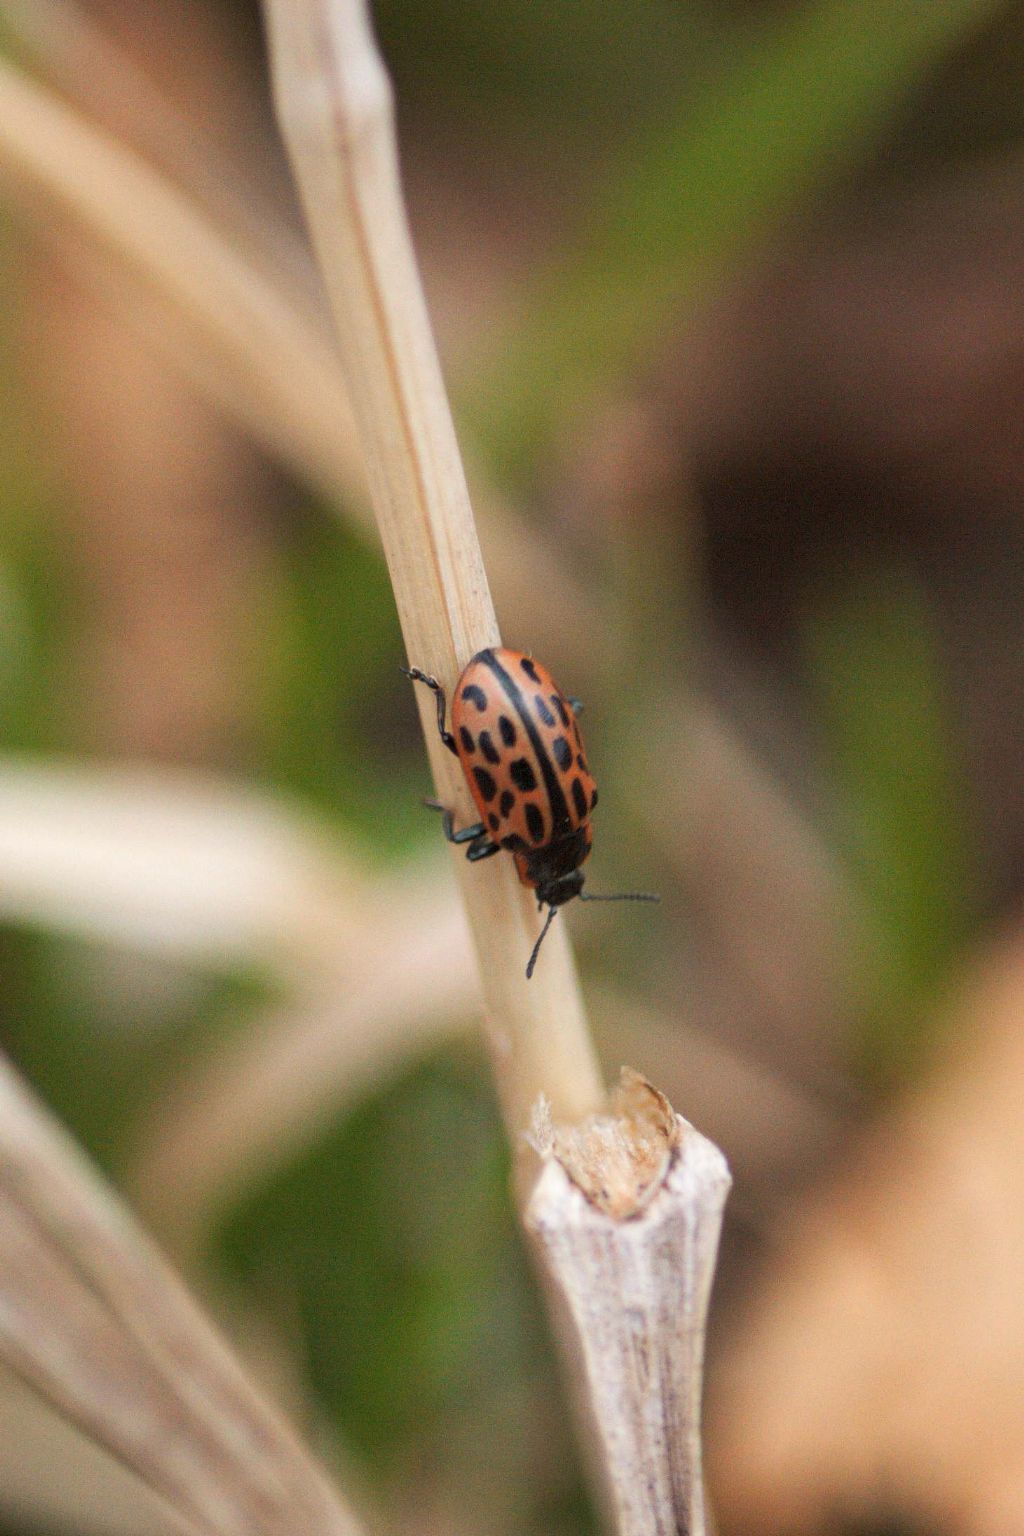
576 705
482 847
435 688
464 835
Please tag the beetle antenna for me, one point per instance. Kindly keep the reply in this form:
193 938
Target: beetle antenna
540 941
620 896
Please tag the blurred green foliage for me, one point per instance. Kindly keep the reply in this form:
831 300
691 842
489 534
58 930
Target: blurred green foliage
335 722
696 187
390 1245
102 1034
888 730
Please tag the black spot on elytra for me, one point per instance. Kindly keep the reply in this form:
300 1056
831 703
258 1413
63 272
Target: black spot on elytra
593 798
466 737
529 668
471 694
493 822
543 710
523 776
488 748
535 822
508 731
579 799
560 709
563 752
485 784
581 762
514 843
506 802
576 734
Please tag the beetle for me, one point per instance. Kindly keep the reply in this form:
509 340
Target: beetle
516 736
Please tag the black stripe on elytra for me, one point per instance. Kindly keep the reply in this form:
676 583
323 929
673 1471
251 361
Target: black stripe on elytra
579 799
534 821
556 797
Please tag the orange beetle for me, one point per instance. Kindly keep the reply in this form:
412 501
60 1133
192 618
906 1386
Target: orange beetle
516 735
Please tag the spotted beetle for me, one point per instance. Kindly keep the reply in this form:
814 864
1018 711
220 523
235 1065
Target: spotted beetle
517 738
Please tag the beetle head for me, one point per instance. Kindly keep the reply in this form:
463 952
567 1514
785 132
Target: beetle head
555 893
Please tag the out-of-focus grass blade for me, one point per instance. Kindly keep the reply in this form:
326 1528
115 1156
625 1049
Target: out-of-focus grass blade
796 106
878 686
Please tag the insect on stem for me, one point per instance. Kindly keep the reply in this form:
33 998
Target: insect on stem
517 738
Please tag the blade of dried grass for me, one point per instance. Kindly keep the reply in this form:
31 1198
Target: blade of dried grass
95 1320
275 368
334 102
622 1283
237 320
191 866
65 43
734 836
95 1495
631 1299
246 1106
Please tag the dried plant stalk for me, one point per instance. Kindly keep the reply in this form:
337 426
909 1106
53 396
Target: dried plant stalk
67 43
274 369
246 1106
92 1317
94 1495
631 1297
191 867
334 103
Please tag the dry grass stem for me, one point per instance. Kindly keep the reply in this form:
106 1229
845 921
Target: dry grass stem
333 100
67 45
94 1495
334 103
275 370
92 1317
236 318
199 869
631 1298
740 843
254 1101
